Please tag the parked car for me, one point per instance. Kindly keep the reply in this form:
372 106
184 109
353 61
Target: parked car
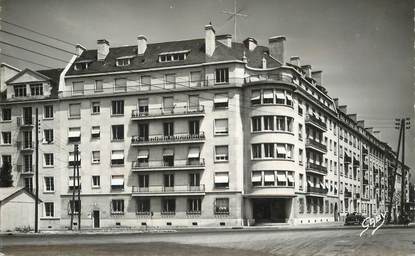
354 219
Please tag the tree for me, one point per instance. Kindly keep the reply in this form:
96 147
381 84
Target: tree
6 178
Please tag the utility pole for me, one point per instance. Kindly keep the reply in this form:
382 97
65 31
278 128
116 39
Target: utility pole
79 185
37 173
405 124
72 203
392 190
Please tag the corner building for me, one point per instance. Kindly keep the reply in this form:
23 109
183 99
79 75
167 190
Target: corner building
203 132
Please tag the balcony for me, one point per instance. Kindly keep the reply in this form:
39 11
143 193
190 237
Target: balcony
313 144
26 146
26 169
269 77
356 162
365 167
356 196
174 112
347 193
316 122
318 191
180 190
347 159
365 181
26 122
179 164
163 140
316 168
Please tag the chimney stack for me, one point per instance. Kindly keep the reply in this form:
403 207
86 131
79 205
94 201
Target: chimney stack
276 48
210 40
361 123
295 60
79 49
225 39
336 102
141 44
316 75
353 117
307 70
264 62
102 49
343 108
250 43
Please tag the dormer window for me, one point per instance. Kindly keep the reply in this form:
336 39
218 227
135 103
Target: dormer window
123 61
81 65
36 89
173 56
20 90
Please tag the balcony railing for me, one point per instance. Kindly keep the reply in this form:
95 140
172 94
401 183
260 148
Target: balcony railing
365 181
168 112
347 193
168 190
25 121
347 159
311 119
178 163
315 144
356 162
25 169
317 190
316 168
27 145
269 77
160 139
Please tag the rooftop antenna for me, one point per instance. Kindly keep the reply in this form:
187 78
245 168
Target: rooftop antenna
234 15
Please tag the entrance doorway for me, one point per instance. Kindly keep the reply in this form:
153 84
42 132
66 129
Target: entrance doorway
271 210
96 219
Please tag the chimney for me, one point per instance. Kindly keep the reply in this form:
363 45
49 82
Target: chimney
276 48
307 70
369 129
264 62
353 117
316 75
141 44
295 60
210 40
103 49
361 123
343 108
225 39
79 49
250 43
336 102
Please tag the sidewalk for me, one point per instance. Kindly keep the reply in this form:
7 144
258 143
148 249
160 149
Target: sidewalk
163 230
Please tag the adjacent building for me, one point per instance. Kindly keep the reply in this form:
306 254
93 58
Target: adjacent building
204 132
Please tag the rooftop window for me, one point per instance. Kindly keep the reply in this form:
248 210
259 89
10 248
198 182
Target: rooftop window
173 56
81 65
123 61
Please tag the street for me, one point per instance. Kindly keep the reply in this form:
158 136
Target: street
396 241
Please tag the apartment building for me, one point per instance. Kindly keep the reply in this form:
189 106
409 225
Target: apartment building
204 132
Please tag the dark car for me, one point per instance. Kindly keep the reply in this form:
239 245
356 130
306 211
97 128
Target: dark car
354 219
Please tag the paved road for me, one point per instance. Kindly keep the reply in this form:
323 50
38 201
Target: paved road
245 242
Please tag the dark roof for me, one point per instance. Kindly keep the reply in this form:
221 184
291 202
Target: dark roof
54 75
150 58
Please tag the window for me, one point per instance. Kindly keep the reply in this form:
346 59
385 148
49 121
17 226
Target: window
71 160
168 181
96 108
256 124
222 75
118 132
173 56
222 206
142 158
269 150
74 135
221 126
268 96
117 206
96 132
168 206
75 110
300 131
281 123
78 88
143 107
256 178
300 156
143 181
6 138
74 205
256 151
96 157
48 111
49 160
6 159
74 181
285 151
170 81
281 178
49 184
194 103
36 89
290 179
96 181
120 85
117 107
194 206
268 123
194 179
145 83
28 184
221 100
221 153
279 97
99 85
49 209
6 114
195 79
143 206
301 181
269 178
20 90
81 65
168 104
289 98
255 97
117 182
168 129
194 127
122 62
117 157
221 180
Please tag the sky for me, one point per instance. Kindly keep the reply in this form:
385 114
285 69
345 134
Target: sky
365 48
